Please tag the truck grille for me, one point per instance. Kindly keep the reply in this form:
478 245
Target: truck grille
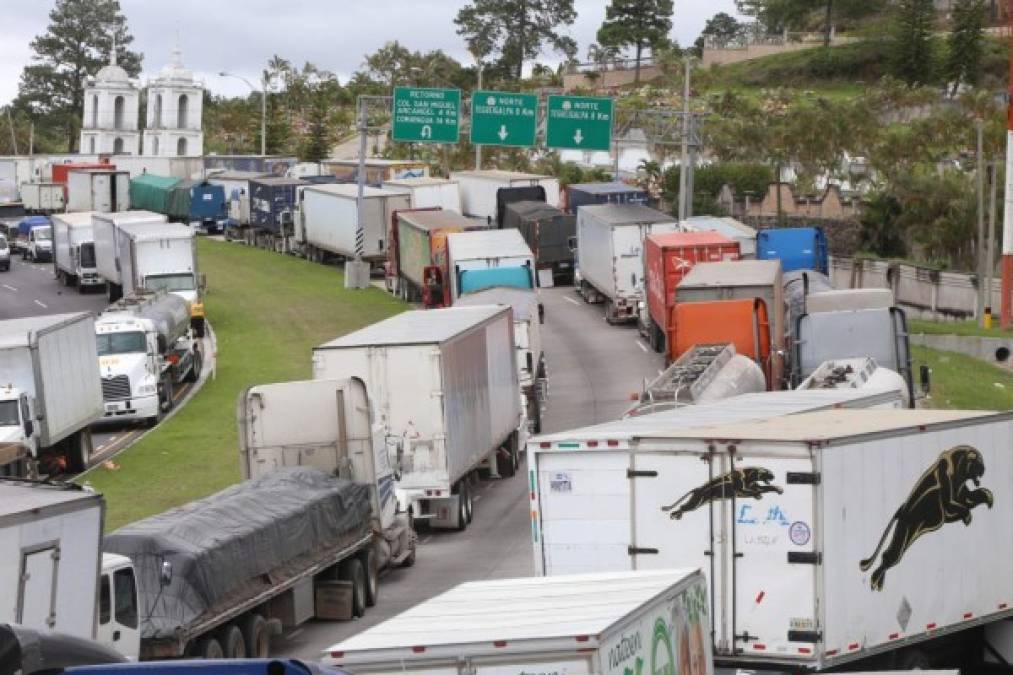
115 388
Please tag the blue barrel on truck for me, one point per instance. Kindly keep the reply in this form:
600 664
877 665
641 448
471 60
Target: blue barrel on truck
272 204
798 248
583 194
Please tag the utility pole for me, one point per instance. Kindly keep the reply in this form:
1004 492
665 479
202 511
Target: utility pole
979 127
478 148
1006 308
990 250
357 271
684 161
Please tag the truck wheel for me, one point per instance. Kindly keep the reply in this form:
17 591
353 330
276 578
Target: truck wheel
462 505
199 328
210 648
256 636
913 659
198 365
506 464
351 570
232 641
79 450
372 577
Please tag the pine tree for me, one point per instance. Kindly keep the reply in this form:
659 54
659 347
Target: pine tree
913 50
76 44
636 23
318 142
966 43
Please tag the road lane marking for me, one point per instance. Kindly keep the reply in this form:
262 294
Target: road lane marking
10 288
642 347
41 304
571 300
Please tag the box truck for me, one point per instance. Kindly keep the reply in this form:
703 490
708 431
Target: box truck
417 266
860 537
273 207
668 257
99 190
479 190
50 391
550 233
528 318
612 624
610 245
74 250
427 192
489 259
146 349
329 219
43 198
54 578
471 417
798 248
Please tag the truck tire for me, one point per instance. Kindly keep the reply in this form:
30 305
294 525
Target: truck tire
199 328
209 648
369 560
198 365
257 636
353 572
469 504
79 449
232 642
462 505
913 658
506 463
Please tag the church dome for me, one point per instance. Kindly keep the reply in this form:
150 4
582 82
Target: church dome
174 72
112 74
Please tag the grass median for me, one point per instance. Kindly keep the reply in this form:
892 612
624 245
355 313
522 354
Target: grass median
268 312
965 383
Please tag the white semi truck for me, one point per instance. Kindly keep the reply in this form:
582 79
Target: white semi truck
49 392
138 250
859 537
489 259
53 576
610 255
445 383
146 348
74 250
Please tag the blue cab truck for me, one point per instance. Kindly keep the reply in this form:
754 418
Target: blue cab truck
798 248
273 203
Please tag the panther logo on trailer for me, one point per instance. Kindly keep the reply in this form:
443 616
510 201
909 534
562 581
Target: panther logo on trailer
745 482
940 496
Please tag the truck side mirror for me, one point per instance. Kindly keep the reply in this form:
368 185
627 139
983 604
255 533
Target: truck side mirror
29 428
165 577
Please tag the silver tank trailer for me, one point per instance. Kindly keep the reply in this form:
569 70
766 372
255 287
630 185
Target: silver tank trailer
168 313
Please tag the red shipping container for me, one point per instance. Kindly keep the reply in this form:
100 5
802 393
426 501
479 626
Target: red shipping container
60 171
668 258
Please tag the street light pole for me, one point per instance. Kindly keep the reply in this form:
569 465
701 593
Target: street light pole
263 108
478 148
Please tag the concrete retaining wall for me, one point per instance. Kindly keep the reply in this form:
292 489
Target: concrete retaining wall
996 351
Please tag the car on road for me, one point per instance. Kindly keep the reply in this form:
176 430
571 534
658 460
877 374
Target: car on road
5 254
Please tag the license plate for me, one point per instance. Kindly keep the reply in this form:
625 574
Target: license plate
564 265
113 407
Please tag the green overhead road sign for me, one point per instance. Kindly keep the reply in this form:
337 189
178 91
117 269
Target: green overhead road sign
579 123
423 115
503 118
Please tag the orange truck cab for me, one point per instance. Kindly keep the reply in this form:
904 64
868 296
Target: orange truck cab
668 257
744 323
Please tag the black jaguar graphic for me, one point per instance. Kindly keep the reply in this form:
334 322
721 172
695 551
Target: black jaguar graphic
745 482
941 496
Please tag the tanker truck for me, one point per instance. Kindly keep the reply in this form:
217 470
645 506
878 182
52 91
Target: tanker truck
146 347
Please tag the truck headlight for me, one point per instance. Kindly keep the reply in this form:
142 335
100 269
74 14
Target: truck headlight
145 389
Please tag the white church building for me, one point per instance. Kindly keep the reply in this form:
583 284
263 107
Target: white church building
172 120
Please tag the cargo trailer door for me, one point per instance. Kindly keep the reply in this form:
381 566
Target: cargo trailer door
773 557
37 588
101 193
679 521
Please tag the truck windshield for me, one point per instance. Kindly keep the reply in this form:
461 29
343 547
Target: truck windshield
169 282
9 414
87 255
43 233
121 343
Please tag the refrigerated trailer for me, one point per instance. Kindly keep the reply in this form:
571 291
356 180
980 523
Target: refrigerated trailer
576 625
74 250
99 190
827 537
446 382
43 197
610 255
418 267
479 190
329 219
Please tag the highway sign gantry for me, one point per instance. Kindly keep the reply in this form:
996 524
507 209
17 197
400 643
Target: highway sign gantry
579 123
426 115
503 118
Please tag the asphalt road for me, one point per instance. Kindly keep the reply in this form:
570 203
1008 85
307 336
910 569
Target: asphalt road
31 289
592 368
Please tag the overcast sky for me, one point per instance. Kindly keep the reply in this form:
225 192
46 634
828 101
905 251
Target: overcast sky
241 35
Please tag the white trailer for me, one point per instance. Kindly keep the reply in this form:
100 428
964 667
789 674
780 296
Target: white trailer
43 197
612 624
489 258
106 232
445 381
50 392
479 189
610 255
74 250
428 192
329 220
101 190
827 537
730 227
50 574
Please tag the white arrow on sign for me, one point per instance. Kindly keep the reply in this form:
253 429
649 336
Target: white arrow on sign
427 131
502 132
578 137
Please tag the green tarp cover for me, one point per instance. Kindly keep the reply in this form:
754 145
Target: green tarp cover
149 192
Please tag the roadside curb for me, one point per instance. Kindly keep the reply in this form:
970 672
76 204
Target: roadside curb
986 349
208 370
